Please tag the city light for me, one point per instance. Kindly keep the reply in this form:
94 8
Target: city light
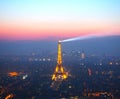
12 74
10 96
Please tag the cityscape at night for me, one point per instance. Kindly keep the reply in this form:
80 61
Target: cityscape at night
59 49
90 75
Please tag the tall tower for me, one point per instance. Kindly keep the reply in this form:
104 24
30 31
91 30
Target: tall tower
59 73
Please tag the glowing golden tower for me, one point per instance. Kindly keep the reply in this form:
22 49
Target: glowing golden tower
59 73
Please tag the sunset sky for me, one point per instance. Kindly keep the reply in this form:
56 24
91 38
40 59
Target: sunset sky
58 19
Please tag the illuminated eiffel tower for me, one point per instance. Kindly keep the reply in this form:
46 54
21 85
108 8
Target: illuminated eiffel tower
59 73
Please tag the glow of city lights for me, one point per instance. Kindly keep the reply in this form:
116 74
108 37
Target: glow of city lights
25 76
12 74
10 96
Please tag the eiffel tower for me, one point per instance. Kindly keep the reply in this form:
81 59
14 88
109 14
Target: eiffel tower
59 73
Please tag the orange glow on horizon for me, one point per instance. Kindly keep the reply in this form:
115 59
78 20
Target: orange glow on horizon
45 30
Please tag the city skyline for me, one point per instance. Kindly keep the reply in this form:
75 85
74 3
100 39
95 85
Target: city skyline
61 19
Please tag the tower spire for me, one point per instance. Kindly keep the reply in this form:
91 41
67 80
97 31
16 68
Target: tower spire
59 58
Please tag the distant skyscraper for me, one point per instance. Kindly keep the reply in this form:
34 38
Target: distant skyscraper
82 55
